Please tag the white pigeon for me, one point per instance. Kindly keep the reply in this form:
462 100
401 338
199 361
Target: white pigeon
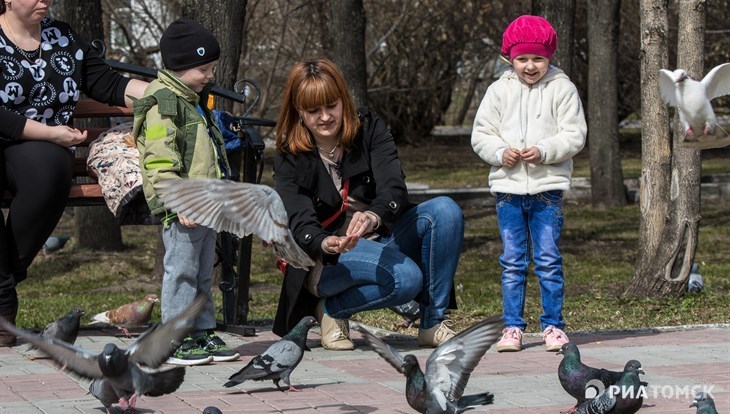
238 208
692 98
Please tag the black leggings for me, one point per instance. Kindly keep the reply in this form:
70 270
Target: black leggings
39 174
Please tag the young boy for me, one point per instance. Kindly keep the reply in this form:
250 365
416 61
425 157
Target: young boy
177 138
529 126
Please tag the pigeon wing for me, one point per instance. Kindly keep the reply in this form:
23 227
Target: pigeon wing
601 404
157 344
387 352
717 81
238 208
668 88
449 366
70 357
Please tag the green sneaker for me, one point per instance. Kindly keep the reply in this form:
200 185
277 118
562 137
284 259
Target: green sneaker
216 348
190 353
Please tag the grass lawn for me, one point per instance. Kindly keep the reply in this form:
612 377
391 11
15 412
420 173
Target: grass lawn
599 249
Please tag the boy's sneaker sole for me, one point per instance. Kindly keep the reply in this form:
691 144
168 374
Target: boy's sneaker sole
189 362
226 358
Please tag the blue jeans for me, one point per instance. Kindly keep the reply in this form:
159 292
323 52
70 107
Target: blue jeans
531 222
418 259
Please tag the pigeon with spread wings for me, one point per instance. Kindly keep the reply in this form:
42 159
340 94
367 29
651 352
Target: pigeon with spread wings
440 389
238 208
131 372
692 98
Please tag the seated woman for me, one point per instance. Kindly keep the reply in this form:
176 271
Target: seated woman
338 172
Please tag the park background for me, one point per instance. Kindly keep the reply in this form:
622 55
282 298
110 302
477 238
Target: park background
424 65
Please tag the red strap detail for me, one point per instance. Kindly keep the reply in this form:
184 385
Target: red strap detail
281 264
343 208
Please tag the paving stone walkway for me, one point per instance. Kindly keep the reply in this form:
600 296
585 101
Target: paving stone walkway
677 362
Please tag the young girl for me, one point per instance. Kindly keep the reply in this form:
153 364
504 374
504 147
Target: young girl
528 127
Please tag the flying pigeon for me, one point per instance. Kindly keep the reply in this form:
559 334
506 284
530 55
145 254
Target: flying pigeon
54 243
132 372
238 208
130 315
704 403
576 377
65 328
279 360
695 282
692 98
448 368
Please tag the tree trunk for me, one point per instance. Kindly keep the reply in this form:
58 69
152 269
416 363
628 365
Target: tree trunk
348 49
224 18
96 228
561 15
670 198
607 185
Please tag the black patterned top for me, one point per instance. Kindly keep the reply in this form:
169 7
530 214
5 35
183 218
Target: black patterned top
44 84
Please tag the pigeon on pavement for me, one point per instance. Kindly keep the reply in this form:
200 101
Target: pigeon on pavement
104 391
410 311
440 389
602 404
212 410
54 243
238 208
629 395
134 371
692 98
65 328
576 377
279 360
130 315
704 403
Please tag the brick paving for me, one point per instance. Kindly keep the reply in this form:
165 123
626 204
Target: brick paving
675 361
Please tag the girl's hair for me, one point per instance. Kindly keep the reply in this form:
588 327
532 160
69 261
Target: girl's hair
3 7
312 84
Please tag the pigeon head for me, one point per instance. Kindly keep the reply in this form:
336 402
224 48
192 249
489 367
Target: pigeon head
410 364
212 410
77 312
569 349
699 398
680 75
111 360
635 365
152 298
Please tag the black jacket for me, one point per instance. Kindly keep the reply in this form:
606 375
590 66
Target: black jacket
376 178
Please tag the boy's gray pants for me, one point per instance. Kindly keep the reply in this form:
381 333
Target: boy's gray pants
189 260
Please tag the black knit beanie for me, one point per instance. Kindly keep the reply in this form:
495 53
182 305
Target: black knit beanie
186 44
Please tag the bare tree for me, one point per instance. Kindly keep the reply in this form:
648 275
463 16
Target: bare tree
670 199
348 49
95 227
561 15
607 187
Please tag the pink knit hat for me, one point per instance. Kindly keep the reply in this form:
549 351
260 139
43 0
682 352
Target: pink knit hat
529 35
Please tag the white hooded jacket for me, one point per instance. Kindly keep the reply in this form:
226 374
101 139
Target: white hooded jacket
548 115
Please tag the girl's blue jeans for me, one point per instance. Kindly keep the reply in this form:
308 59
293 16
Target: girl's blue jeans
418 260
531 224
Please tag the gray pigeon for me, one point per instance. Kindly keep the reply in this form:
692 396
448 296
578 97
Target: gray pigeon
629 395
695 282
238 208
448 368
704 403
410 311
212 410
602 404
65 328
129 371
104 391
576 377
692 98
279 360
54 243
